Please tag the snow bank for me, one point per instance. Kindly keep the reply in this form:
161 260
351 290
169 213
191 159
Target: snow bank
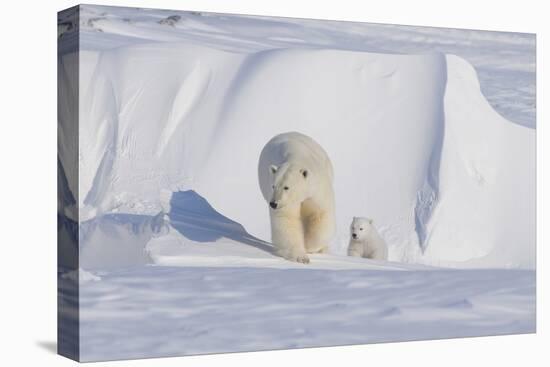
414 143
486 210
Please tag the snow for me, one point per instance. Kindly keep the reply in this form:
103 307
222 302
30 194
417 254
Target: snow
505 61
169 311
81 276
175 108
496 166
181 127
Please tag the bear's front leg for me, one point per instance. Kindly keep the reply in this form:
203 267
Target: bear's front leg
355 249
379 253
318 230
287 234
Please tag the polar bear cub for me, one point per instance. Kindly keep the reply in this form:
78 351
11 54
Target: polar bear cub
365 240
295 176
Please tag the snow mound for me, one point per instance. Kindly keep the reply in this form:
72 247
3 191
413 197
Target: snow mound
413 142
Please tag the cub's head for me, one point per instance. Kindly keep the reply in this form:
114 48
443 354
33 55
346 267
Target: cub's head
289 185
360 228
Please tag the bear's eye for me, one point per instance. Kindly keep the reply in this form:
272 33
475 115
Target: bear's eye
273 186
286 187
360 229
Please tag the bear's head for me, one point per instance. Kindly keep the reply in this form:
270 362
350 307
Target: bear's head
360 228
289 184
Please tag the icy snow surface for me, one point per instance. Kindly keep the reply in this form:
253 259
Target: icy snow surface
165 311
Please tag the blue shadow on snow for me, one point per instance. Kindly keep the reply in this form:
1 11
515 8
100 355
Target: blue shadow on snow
192 216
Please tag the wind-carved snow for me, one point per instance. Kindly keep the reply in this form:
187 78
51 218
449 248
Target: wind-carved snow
173 116
191 91
114 241
490 186
428 195
206 113
425 203
99 118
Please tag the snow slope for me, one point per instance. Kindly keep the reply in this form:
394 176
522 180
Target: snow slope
490 184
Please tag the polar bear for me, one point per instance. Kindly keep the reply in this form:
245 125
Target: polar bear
295 176
365 241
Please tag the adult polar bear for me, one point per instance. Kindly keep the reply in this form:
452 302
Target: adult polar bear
296 176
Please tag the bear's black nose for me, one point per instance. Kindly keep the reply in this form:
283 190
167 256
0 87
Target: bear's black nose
273 205
354 235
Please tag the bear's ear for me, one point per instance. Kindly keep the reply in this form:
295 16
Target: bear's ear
304 172
273 169
370 221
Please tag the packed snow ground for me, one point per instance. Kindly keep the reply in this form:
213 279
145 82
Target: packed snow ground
169 311
175 108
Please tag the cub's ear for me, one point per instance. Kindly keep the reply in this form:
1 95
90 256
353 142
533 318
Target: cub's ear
273 169
304 172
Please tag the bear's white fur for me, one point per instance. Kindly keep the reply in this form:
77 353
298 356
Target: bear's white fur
296 177
365 241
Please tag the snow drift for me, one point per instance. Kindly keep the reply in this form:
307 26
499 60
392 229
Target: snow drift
414 143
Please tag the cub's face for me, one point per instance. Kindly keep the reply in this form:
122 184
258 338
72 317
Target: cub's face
288 185
360 228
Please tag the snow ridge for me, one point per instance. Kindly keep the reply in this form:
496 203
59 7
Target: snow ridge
428 195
